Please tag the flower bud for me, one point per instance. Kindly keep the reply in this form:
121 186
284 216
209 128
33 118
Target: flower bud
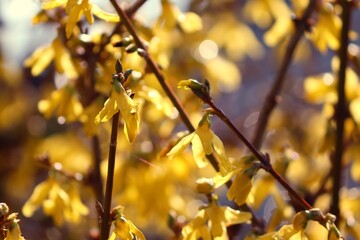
4 210
118 66
131 48
205 185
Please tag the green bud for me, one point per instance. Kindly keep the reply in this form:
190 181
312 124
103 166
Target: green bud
202 90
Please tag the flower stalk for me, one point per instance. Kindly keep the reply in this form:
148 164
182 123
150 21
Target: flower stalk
106 221
340 110
273 97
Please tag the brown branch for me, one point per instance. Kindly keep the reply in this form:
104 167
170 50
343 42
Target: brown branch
264 159
96 175
341 106
153 66
273 96
106 221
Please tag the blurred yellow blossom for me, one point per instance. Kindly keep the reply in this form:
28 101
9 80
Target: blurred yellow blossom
58 53
204 142
263 12
64 103
59 203
76 8
171 15
119 100
211 222
226 32
326 32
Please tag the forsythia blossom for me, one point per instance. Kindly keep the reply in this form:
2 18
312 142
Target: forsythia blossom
9 224
129 109
76 8
212 220
57 202
124 228
204 142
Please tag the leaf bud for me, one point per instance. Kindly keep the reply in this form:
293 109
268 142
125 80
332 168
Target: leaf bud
202 90
118 66
205 185
124 42
127 73
4 210
131 48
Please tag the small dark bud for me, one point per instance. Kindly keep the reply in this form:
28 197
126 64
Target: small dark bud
127 73
118 66
141 52
131 48
123 43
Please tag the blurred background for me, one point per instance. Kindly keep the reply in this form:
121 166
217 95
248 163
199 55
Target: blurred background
22 126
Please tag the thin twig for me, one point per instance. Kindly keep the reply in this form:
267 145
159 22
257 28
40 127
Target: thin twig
273 96
106 221
264 159
341 106
97 181
153 66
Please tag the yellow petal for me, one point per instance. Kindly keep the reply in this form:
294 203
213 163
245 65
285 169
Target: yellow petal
280 29
39 60
235 216
63 60
225 72
198 152
240 189
108 17
216 216
190 22
355 109
52 4
181 145
110 108
14 232
224 164
206 137
129 109
263 187
139 235
37 197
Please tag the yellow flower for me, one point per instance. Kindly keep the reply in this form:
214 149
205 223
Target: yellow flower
285 232
242 184
56 201
124 228
229 28
326 32
76 8
14 233
64 103
240 188
171 15
120 101
204 142
43 56
212 220
263 12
